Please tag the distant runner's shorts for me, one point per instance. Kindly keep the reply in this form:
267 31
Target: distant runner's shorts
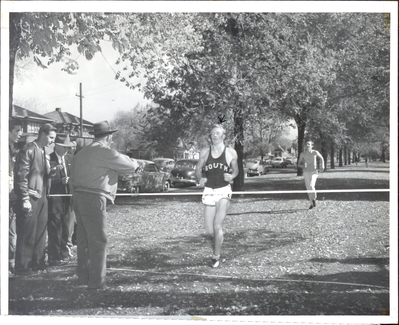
213 195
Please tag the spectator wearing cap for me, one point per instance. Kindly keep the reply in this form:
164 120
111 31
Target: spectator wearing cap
31 185
59 203
94 180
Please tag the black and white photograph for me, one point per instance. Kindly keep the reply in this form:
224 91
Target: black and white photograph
192 161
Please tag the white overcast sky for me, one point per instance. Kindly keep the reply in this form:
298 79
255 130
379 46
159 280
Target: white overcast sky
103 95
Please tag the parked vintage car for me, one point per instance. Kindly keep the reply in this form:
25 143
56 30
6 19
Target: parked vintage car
290 160
254 167
279 162
164 164
184 172
147 178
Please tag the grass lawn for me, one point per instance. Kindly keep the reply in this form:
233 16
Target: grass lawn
278 257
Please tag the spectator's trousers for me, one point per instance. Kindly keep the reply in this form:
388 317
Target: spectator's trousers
12 235
310 183
58 227
71 228
91 216
31 234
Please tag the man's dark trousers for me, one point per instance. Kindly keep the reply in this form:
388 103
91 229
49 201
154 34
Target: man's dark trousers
31 234
91 216
12 235
58 227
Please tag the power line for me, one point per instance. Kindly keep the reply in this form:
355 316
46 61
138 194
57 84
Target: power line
107 62
101 92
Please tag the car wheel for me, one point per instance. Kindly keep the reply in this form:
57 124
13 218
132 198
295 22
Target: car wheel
166 186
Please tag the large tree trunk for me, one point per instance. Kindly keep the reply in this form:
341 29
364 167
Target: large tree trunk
15 32
349 156
238 184
332 156
340 158
345 157
301 136
383 153
324 152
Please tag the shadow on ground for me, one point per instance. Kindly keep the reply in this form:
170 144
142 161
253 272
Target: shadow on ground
131 292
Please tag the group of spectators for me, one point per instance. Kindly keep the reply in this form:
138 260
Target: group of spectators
51 192
41 226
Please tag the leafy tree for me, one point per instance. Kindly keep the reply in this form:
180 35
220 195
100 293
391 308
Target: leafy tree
129 125
46 37
358 99
262 128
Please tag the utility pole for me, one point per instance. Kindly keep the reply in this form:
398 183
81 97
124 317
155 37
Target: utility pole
81 109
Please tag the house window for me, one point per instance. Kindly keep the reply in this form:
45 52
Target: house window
33 127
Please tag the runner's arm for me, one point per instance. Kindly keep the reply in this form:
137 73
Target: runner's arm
322 160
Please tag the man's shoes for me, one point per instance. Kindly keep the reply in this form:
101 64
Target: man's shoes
56 262
314 203
25 272
42 268
215 262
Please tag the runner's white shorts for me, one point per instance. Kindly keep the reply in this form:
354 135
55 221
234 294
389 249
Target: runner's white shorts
213 195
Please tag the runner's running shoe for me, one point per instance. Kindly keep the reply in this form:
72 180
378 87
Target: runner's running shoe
215 263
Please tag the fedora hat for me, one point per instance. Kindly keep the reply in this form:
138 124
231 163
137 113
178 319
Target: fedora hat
63 140
102 128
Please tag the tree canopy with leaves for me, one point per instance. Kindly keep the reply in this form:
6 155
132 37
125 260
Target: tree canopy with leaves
329 72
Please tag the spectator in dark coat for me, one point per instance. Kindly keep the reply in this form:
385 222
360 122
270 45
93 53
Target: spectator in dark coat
32 185
59 206
14 133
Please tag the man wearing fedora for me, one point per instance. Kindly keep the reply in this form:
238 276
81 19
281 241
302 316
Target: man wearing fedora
93 181
31 185
59 206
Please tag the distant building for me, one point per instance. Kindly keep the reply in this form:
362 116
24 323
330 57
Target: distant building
280 152
69 123
32 122
292 152
188 151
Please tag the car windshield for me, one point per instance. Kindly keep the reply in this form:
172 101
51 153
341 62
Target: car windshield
150 168
185 164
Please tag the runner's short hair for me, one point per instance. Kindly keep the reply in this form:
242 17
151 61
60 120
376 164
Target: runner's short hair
309 140
217 126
